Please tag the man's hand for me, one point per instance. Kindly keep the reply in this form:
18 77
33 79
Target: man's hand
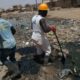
53 28
13 30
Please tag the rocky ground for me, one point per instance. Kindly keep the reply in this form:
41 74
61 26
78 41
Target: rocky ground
68 32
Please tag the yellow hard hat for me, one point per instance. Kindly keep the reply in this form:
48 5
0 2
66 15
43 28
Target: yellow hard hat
43 6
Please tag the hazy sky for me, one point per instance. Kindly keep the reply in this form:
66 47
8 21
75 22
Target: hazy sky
8 3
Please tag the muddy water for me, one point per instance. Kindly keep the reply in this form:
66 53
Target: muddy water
64 22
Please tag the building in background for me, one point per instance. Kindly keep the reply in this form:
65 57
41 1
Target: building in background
52 4
62 3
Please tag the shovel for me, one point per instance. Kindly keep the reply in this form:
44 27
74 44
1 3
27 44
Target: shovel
62 57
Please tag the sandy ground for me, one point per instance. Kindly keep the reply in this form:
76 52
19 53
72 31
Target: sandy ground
72 13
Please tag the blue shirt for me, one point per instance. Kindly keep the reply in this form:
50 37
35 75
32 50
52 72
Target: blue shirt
8 40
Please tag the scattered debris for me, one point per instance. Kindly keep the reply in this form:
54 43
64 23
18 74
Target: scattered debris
68 31
65 72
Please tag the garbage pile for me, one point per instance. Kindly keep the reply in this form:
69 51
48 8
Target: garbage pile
68 32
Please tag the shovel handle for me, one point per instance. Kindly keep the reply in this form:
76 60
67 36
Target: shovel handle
63 58
58 43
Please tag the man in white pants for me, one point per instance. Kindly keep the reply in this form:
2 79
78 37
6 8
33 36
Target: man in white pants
40 27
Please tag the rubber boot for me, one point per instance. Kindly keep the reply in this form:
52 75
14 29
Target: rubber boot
46 61
51 58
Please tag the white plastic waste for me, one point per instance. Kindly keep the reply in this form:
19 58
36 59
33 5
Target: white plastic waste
27 43
65 72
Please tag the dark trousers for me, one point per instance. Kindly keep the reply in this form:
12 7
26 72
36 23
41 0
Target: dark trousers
4 53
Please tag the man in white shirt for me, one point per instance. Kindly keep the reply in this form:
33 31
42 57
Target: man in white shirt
40 27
